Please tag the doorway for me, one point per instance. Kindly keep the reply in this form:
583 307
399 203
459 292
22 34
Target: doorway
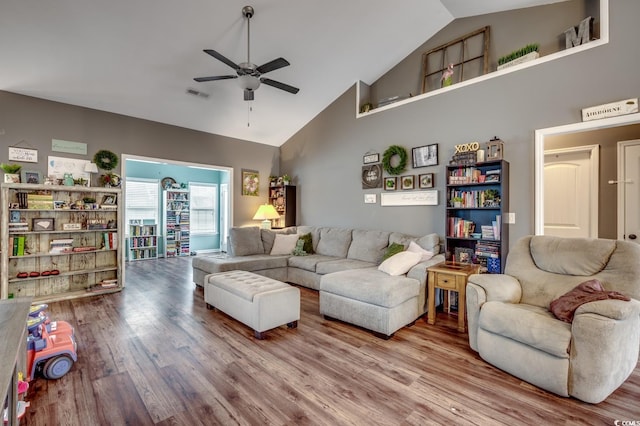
631 121
210 207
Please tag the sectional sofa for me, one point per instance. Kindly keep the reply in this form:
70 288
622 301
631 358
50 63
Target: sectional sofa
343 265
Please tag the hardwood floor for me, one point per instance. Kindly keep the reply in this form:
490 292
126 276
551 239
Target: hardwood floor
153 354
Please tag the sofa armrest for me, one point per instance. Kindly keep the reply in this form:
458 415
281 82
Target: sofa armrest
419 272
485 287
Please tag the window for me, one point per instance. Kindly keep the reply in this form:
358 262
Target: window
141 200
204 204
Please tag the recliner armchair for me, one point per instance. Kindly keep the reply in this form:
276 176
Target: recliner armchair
511 326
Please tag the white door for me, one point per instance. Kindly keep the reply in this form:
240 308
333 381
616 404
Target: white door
629 191
571 192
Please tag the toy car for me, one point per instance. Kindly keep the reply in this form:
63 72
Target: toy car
51 347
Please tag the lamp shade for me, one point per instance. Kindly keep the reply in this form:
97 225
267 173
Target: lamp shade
266 213
91 168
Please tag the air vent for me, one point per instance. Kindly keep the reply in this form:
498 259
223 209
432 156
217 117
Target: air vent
198 93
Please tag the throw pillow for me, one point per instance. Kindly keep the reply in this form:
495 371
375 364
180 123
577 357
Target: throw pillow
308 243
299 248
284 243
245 241
400 263
393 249
564 307
415 248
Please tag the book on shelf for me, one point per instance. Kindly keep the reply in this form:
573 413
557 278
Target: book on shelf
110 241
15 244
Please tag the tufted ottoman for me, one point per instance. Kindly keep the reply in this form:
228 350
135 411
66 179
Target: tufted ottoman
261 303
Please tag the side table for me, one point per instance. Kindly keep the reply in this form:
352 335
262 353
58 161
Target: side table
449 276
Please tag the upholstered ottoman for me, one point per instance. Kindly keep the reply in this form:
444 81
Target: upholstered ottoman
261 303
370 299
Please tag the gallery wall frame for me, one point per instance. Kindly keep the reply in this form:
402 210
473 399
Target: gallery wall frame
409 198
425 156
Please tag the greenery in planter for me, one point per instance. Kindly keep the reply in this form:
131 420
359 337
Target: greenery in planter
533 47
10 168
455 201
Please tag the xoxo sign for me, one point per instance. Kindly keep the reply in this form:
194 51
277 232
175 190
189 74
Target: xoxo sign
467 147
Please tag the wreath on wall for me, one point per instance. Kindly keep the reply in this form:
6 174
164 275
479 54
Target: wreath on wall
391 152
106 160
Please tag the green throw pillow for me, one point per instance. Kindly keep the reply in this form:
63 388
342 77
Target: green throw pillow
308 244
394 248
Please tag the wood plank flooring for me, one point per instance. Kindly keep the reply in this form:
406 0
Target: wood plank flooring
153 354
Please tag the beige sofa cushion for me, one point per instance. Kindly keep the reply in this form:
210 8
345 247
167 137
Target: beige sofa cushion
245 241
368 246
334 242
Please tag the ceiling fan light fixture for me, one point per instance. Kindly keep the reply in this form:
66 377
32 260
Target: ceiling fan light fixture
248 82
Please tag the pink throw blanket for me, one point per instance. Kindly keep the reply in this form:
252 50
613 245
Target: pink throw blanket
565 306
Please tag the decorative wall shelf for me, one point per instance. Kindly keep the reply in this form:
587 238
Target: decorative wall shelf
363 90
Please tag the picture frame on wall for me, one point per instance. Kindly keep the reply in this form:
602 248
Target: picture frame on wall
425 181
372 176
30 176
425 156
390 183
250 182
408 182
371 158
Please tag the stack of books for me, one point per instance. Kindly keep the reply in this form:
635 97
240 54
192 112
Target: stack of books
15 227
40 201
488 249
61 245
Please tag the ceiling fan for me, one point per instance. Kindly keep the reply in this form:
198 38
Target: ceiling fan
250 75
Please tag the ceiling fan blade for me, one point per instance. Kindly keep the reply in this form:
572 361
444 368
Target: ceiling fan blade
222 58
248 95
279 85
273 65
214 78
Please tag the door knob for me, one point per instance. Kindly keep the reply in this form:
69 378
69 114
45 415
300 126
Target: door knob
632 236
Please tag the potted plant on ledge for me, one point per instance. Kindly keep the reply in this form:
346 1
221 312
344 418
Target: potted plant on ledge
520 56
11 172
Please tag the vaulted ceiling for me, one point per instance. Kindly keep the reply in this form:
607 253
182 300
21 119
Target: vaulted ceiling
139 57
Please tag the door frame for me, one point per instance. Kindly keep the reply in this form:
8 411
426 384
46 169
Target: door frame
594 171
621 188
538 156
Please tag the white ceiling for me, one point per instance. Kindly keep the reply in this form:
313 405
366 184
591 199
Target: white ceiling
139 57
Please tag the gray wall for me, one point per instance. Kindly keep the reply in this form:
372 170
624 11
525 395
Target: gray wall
509 31
37 121
326 156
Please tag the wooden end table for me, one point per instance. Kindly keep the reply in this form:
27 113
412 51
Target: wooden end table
449 276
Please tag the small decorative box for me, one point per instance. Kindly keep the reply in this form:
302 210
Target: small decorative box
493 265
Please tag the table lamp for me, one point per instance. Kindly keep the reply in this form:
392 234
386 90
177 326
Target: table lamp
266 213
91 168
